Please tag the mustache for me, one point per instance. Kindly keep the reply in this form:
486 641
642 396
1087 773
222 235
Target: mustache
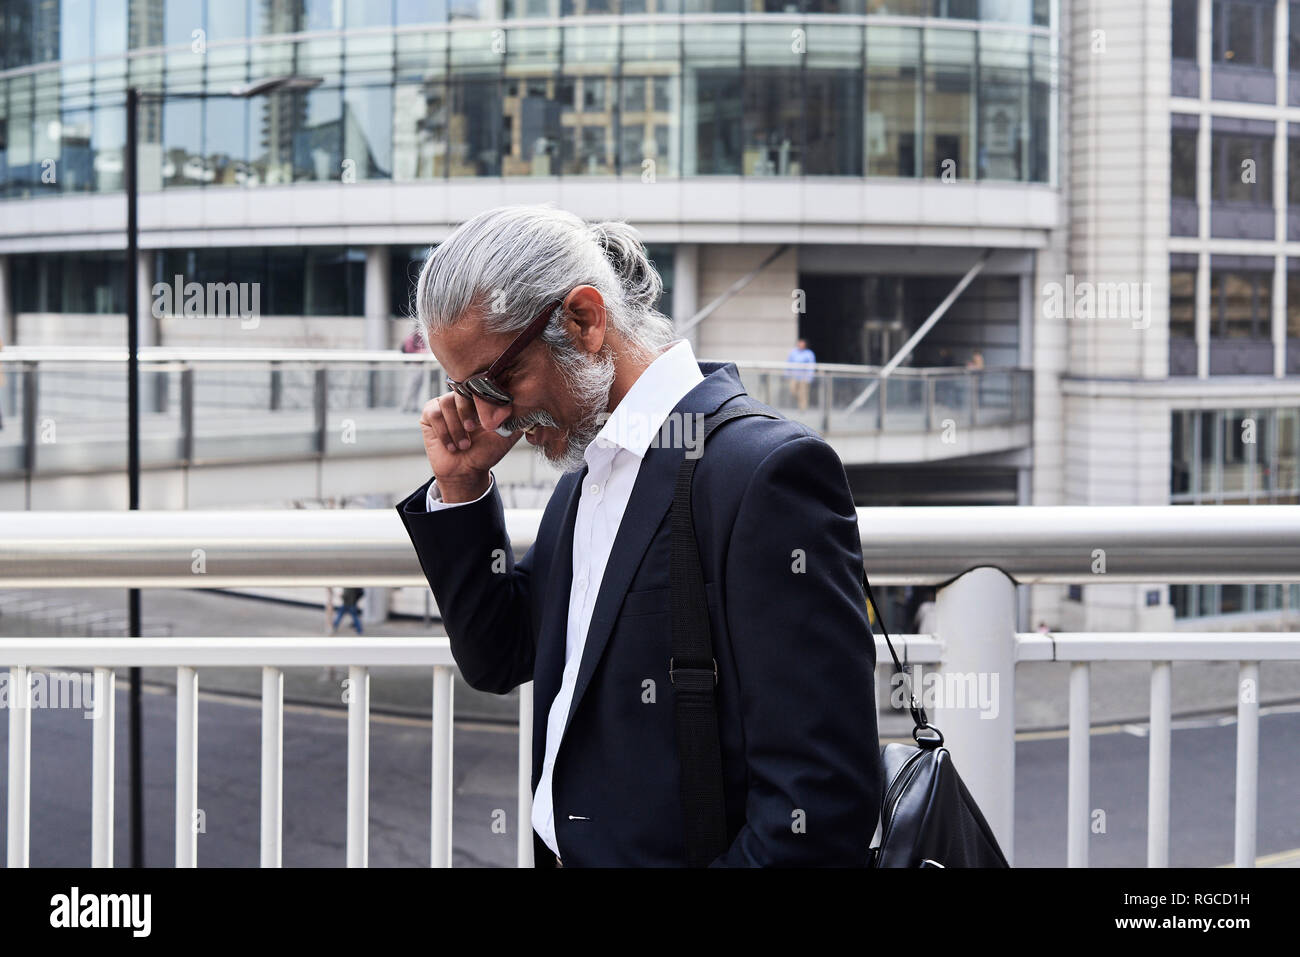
523 422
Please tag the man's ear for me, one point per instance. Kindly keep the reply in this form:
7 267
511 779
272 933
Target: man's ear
587 318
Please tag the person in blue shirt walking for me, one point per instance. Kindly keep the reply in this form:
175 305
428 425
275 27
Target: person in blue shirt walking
800 378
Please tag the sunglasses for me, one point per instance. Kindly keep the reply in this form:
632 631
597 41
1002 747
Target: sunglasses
483 385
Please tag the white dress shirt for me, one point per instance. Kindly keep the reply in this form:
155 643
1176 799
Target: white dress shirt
613 461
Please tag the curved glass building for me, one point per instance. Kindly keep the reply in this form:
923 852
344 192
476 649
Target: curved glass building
418 92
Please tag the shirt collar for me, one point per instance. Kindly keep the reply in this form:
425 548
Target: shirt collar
636 420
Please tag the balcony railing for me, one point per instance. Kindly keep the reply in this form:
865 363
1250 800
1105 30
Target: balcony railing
980 553
65 410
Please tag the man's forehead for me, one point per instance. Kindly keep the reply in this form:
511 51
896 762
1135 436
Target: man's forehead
465 348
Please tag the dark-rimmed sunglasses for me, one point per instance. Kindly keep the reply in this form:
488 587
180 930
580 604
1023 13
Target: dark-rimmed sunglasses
483 385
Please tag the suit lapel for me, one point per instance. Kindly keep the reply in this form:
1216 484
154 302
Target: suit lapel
652 495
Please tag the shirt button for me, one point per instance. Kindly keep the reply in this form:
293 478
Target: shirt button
595 490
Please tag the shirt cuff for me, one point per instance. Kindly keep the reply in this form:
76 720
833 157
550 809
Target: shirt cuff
433 498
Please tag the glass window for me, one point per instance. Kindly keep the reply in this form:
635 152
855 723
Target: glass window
1208 468
1183 23
893 101
270 139
227 19
317 134
182 129
773 104
368 13
1240 304
711 100
587 100
1182 164
949 103
407 12
1293 167
475 126
20 143
325 14
1041 98
110 27
1288 454
1237 452
1004 106
76 158
833 92
1242 169
1182 453
1293 39
285 274
650 116
1243 33
420 130
180 19
367 130
1293 305
225 133
1182 303
47 134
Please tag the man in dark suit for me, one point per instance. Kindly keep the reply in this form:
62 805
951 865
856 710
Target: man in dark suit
585 613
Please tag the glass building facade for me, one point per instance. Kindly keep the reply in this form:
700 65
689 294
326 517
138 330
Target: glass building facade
960 89
1234 457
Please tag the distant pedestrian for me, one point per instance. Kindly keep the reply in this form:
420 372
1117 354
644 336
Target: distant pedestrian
413 401
976 360
350 605
800 355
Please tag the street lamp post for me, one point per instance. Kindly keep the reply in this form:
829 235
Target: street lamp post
133 97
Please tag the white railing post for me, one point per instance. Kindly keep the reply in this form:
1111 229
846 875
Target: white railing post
20 765
358 766
974 692
1158 766
524 807
440 822
101 774
1247 763
1077 810
187 766
272 766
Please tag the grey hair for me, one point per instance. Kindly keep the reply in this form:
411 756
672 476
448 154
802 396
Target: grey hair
505 264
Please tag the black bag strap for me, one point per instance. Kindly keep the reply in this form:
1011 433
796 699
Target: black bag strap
694 671
918 712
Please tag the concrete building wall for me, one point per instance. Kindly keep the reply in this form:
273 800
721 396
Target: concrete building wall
758 323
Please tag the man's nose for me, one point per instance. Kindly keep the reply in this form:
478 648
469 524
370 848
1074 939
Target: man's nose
490 415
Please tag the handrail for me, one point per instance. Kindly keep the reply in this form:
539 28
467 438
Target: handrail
306 548
168 354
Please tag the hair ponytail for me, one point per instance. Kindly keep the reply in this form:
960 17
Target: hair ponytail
641 282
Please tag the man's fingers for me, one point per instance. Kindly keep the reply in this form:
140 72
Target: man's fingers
468 415
433 420
451 416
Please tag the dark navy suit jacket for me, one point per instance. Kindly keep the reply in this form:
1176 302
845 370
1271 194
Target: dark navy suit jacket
782 559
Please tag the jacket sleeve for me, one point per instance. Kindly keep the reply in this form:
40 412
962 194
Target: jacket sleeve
482 593
805 661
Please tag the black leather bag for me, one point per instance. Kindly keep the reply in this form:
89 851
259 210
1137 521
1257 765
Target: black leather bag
927 817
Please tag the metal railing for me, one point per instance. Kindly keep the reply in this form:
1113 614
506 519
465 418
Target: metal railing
976 555
65 409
